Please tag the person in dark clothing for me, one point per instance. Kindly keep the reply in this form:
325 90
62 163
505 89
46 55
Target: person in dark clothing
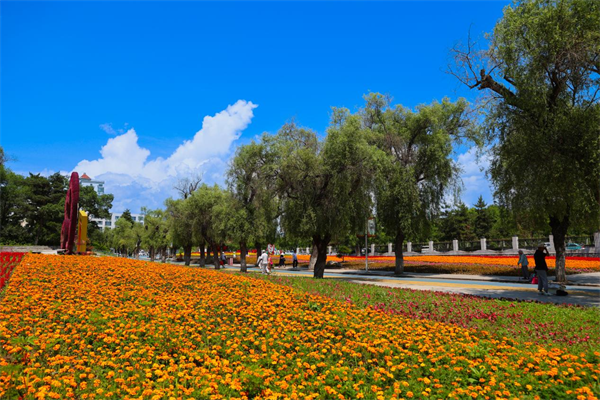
281 259
541 269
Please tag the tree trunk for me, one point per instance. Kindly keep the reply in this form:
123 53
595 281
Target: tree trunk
314 254
243 266
187 254
399 242
320 244
357 250
152 253
202 255
258 247
215 255
559 231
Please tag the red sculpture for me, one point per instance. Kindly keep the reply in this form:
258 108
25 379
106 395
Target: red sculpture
69 226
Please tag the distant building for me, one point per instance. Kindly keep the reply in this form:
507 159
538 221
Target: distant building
85 180
112 222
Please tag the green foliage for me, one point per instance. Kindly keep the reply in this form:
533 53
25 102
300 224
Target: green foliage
123 236
253 203
457 223
324 184
32 207
155 232
97 206
415 166
504 223
344 250
543 115
484 220
208 205
180 219
44 208
127 216
13 196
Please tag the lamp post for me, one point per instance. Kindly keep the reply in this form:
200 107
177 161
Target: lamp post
369 230
367 246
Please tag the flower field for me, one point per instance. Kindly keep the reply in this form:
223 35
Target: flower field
564 326
85 327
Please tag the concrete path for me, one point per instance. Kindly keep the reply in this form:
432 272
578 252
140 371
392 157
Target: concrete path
583 289
28 249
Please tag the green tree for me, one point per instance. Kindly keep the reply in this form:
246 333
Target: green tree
127 216
44 208
484 220
13 204
254 205
97 206
123 237
324 185
504 222
180 217
208 219
416 168
541 73
4 158
457 223
155 234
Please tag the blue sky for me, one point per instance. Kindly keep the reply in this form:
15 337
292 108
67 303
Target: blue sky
137 79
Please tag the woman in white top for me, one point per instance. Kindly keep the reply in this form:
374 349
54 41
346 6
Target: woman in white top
263 262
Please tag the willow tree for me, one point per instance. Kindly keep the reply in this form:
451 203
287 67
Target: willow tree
254 204
324 184
416 168
541 78
155 233
207 216
180 222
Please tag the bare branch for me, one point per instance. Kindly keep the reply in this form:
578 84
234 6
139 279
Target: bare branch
188 185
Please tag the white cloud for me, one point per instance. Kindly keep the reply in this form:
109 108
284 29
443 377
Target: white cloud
136 180
473 177
47 172
108 129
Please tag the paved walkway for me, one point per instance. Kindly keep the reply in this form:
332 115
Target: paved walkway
583 289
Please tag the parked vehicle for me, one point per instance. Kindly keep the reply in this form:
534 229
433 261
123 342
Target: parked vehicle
574 246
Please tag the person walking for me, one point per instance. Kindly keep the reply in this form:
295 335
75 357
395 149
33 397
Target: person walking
262 262
294 259
524 265
541 269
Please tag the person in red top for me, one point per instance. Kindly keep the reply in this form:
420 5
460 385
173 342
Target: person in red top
541 268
